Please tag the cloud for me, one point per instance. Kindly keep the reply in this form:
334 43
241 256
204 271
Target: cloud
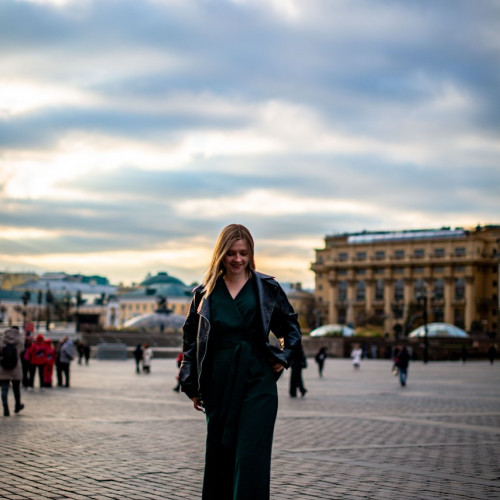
131 129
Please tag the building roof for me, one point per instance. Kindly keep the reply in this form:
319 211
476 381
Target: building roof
162 278
439 330
161 284
374 237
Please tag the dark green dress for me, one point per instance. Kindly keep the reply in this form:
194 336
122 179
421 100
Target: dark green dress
240 397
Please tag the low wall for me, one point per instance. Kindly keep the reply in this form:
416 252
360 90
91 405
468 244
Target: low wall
444 349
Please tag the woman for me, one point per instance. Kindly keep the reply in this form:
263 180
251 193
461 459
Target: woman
11 373
230 367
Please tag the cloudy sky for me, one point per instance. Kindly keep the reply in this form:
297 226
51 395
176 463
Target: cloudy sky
132 131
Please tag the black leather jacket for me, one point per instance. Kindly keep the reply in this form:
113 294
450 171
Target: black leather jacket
277 316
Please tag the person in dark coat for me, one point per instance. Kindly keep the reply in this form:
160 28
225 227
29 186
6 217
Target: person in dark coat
13 375
402 363
492 353
296 381
138 358
320 359
86 353
230 366
80 350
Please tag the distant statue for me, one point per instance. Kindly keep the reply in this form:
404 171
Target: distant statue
162 304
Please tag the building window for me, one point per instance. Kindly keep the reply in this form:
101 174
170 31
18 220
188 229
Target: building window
439 252
360 290
342 272
399 270
399 290
361 256
418 270
459 269
439 269
399 254
419 253
460 252
419 288
438 314
459 318
342 290
438 291
379 290
379 270
380 254
342 315
360 271
343 256
459 288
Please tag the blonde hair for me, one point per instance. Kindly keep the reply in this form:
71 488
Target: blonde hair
227 237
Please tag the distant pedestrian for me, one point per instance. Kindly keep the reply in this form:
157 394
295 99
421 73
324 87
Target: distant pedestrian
395 358
50 361
147 354
402 363
36 355
492 352
25 361
464 353
66 354
138 358
356 354
180 356
320 359
86 353
79 348
296 381
11 371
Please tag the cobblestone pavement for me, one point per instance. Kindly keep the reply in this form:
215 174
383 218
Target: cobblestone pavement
356 434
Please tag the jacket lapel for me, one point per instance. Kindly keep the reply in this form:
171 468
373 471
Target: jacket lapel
267 299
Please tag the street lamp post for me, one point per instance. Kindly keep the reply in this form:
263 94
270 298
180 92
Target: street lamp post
26 298
423 298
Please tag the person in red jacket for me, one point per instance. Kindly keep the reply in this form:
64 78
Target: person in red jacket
36 355
50 360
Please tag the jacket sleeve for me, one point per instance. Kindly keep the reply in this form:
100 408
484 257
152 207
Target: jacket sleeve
188 373
286 328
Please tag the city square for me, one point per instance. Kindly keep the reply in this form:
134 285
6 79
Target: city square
356 434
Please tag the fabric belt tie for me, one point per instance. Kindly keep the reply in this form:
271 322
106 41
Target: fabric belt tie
234 392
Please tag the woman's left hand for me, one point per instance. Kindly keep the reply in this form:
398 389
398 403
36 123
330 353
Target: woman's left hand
277 367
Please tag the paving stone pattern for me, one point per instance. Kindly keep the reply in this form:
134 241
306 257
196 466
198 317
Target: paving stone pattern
356 435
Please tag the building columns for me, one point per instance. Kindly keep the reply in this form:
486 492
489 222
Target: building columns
470 309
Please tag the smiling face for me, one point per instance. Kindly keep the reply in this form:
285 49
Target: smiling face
236 259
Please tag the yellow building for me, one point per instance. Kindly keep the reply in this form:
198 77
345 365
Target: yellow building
382 278
8 281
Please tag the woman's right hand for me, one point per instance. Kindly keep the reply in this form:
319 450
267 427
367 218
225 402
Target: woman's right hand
198 404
